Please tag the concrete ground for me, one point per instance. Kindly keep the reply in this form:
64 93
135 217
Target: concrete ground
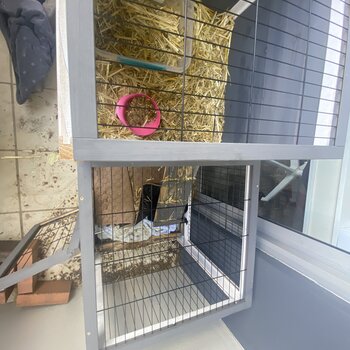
62 328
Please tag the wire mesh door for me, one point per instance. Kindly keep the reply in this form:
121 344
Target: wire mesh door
170 245
56 241
274 70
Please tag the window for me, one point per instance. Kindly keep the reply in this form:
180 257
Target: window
304 196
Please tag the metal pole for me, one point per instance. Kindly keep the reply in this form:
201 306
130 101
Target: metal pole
250 227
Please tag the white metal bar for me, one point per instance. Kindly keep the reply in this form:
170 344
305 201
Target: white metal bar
204 318
251 210
245 229
165 324
240 7
325 131
106 164
100 301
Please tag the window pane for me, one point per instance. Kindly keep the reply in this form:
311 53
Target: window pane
304 196
283 192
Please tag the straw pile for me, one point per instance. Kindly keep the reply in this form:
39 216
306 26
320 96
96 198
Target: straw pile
127 263
119 23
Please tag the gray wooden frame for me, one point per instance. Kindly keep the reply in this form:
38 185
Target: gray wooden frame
86 228
90 151
86 224
88 147
9 279
159 152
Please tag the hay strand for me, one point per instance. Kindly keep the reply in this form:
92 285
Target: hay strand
121 23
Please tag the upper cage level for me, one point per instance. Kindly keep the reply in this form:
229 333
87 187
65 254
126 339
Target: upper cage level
267 72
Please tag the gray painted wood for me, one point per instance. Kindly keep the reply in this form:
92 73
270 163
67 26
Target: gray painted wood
151 153
290 312
81 67
86 228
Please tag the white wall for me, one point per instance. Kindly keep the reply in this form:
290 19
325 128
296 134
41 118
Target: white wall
321 199
341 236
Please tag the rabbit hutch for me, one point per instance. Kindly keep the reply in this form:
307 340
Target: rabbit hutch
173 105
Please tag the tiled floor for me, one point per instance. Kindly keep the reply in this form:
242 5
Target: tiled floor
34 181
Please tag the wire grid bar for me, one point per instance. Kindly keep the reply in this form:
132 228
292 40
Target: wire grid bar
152 278
278 80
52 236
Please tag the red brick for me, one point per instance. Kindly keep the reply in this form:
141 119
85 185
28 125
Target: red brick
47 293
4 294
30 256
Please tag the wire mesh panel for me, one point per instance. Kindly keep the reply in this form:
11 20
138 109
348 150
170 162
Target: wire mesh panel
254 71
169 245
56 235
217 218
47 244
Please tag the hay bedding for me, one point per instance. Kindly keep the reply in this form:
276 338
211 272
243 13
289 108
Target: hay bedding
120 264
119 23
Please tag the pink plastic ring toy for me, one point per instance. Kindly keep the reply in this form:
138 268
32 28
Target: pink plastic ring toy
147 129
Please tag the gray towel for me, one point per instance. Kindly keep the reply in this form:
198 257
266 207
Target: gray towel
31 42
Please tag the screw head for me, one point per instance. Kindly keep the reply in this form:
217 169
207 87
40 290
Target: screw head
81 198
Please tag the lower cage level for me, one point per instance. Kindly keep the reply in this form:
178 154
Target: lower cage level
149 278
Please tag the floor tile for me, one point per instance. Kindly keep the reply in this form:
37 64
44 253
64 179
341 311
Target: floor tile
32 218
10 227
4 61
36 122
8 183
6 130
47 182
